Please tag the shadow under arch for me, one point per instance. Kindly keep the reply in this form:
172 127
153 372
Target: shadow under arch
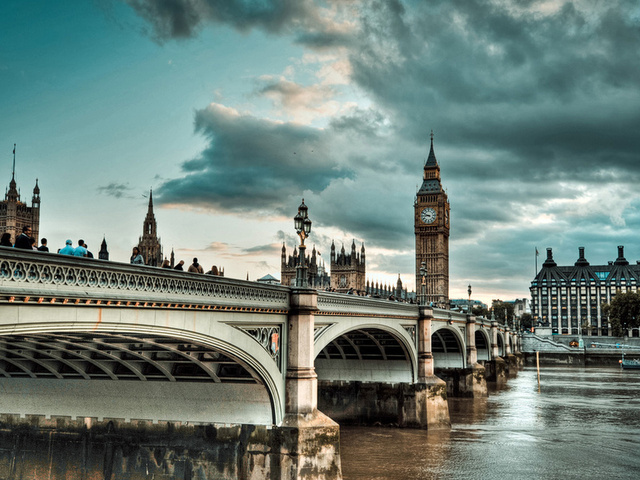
134 372
483 345
501 346
366 353
448 348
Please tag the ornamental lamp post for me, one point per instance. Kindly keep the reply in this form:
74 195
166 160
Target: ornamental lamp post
423 290
469 292
302 224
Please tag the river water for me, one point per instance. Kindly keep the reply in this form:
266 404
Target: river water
583 423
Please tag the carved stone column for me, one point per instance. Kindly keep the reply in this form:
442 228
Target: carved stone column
313 439
495 352
496 368
431 408
507 340
301 380
472 351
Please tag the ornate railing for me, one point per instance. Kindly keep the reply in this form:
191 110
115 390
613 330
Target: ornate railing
340 304
48 277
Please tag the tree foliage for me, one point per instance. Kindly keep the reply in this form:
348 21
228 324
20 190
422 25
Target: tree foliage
480 311
526 321
623 312
501 308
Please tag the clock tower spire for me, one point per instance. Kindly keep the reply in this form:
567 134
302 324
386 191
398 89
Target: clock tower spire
431 226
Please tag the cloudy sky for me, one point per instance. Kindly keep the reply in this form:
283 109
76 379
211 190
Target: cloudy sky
233 111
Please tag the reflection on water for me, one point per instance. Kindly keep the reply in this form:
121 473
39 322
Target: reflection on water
583 424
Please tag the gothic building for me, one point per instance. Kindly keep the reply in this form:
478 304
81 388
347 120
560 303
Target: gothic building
149 243
569 299
317 276
348 271
431 225
15 214
104 253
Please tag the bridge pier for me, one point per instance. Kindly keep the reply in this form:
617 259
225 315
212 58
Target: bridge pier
315 437
414 405
510 358
496 368
433 391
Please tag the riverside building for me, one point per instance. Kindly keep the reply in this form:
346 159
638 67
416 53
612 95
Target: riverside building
569 299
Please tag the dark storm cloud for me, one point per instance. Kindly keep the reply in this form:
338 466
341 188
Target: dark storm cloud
557 91
252 165
117 190
183 18
535 109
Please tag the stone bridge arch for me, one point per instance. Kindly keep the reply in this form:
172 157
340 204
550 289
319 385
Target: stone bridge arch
483 344
502 349
132 358
448 347
366 351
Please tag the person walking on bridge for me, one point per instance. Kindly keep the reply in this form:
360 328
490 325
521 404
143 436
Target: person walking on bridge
195 267
136 257
24 239
67 249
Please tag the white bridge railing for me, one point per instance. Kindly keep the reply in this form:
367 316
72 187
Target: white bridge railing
52 278
30 276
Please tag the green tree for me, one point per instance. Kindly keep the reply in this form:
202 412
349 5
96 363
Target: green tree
501 308
481 311
623 312
526 321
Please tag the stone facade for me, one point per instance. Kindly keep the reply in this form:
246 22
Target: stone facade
317 276
348 271
569 299
431 222
149 243
15 214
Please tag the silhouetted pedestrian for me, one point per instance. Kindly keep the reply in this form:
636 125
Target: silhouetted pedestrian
24 239
179 266
5 241
195 267
43 247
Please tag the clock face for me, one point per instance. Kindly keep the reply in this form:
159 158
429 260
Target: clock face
428 215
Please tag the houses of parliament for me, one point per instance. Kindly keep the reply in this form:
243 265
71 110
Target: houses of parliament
431 228
347 268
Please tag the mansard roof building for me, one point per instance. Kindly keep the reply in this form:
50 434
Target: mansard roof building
570 298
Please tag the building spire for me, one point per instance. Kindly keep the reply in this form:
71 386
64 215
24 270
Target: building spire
12 194
431 160
13 170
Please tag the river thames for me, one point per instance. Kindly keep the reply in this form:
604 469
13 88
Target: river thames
582 424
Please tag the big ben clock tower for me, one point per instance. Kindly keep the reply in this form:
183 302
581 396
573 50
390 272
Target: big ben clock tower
431 221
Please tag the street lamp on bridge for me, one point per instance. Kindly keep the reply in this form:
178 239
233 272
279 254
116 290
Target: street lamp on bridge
423 286
302 224
469 292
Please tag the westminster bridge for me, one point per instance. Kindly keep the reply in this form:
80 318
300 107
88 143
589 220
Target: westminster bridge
186 363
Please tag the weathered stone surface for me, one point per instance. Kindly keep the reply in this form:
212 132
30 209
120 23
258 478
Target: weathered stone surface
418 405
65 448
465 382
496 371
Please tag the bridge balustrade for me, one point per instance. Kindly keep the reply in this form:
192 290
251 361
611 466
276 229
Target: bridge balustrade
27 276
